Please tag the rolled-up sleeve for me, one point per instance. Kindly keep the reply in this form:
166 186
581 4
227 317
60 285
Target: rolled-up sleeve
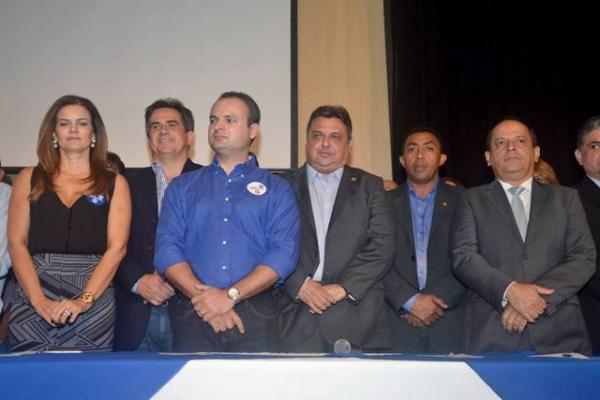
283 233
170 232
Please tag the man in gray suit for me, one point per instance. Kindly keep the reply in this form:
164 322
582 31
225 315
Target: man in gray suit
347 235
425 300
524 249
588 156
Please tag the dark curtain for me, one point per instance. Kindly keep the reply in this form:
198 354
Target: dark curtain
461 66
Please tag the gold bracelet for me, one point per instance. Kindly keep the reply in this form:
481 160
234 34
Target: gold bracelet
87 298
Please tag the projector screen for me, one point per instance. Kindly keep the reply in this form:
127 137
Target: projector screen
124 54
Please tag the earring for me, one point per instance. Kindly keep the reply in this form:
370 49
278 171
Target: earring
93 143
54 141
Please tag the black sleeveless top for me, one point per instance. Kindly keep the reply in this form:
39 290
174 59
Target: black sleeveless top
56 228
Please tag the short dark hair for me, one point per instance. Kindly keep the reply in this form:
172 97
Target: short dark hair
488 140
588 127
329 111
253 109
418 129
175 104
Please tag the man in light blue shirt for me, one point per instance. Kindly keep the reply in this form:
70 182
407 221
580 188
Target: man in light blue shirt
336 292
141 294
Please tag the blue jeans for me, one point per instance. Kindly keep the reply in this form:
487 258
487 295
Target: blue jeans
158 337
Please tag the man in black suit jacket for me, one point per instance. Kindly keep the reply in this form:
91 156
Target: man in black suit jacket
347 235
588 156
425 300
524 250
141 294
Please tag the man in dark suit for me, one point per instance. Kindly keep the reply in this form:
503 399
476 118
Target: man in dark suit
524 250
588 156
142 294
347 235
425 300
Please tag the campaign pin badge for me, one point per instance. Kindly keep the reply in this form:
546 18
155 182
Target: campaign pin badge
257 188
97 200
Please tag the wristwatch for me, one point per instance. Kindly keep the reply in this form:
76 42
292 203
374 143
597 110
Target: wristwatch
234 294
87 298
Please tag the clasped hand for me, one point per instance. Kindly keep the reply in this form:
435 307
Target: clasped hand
426 309
320 297
154 289
526 298
216 308
58 313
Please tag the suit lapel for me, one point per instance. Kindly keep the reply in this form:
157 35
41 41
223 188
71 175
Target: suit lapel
405 215
405 222
591 190
189 166
440 210
149 185
347 187
498 199
304 197
536 211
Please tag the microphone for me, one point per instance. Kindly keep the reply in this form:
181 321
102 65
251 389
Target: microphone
342 346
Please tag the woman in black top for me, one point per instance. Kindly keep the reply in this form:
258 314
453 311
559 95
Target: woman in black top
68 226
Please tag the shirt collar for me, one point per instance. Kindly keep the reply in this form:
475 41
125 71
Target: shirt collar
431 193
527 184
246 167
313 174
157 168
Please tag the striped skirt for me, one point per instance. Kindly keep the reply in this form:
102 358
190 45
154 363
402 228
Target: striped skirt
62 276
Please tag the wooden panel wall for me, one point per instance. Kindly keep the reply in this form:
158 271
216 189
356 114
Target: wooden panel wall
341 60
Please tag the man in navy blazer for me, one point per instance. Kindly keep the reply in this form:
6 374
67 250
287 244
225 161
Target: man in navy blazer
425 300
524 250
588 156
347 236
141 294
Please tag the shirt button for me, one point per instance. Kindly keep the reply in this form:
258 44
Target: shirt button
243 176
224 267
225 219
224 242
229 180
226 198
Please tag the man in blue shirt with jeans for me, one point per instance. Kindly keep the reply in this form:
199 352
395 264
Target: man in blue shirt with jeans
142 295
227 234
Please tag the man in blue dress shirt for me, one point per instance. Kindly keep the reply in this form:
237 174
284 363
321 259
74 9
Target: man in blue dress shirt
227 234
426 301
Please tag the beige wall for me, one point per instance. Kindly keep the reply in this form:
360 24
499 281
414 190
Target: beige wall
341 60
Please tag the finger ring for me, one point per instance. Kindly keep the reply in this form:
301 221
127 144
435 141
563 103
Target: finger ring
67 312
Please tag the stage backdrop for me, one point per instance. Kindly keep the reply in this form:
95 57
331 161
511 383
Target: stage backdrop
125 54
